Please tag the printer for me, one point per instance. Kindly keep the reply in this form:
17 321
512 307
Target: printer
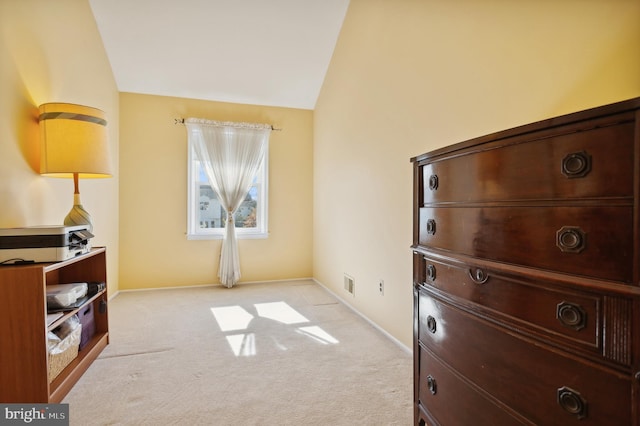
34 244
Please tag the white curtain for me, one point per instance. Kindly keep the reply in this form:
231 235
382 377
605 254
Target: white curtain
230 154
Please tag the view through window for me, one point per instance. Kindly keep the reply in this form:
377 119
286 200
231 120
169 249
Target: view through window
207 217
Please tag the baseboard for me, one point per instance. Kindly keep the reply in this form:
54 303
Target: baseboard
274 281
210 285
131 290
367 319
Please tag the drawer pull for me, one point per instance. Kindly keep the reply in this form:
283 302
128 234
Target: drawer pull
431 324
576 165
571 315
431 272
478 276
571 239
431 227
433 182
432 385
572 402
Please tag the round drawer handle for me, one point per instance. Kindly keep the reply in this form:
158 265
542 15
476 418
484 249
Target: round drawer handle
576 164
478 276
433 182
572 402
571 315
571 239
431 227
431 272
431 324
432 385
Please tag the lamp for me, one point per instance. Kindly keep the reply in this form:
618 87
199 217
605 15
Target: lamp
74 144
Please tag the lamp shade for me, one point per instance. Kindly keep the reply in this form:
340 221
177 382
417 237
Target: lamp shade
73 140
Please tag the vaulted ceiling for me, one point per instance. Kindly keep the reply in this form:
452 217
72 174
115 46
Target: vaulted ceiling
261 52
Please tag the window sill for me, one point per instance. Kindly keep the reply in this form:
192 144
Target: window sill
239 236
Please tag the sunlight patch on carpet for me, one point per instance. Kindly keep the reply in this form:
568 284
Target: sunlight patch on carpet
281 312
318 334
243 344
231 318
236 318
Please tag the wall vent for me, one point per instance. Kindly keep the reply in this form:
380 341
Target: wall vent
349 283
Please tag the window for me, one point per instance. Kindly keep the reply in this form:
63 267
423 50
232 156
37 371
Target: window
207 218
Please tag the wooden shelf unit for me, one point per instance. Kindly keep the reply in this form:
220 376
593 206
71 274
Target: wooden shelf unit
23 328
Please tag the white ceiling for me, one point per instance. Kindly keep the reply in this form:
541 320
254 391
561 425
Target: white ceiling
260 52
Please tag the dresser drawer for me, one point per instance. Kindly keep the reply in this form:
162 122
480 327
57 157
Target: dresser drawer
439 387
567 316
589 241
587 164
541 384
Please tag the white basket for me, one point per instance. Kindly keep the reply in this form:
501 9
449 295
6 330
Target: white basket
64 352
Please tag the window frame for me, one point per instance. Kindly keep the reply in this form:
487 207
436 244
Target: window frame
195 232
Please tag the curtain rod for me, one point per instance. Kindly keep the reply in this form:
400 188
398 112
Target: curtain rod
181 121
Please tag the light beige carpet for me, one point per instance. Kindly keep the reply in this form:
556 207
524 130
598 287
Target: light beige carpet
257 354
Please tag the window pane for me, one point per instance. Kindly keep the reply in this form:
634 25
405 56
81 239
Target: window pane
207 218
245 217
211 213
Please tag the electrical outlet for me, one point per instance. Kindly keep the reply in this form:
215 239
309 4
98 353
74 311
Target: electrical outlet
381 287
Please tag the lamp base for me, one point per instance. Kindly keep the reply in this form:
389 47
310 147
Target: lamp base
78 215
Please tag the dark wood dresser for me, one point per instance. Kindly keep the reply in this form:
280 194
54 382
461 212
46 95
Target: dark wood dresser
526 274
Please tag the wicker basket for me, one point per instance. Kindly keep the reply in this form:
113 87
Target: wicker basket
65 352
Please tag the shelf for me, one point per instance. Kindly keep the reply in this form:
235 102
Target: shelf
51 266
62 384
24 368
68 314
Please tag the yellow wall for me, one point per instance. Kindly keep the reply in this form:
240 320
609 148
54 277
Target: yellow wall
409 76
153 195
51 51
